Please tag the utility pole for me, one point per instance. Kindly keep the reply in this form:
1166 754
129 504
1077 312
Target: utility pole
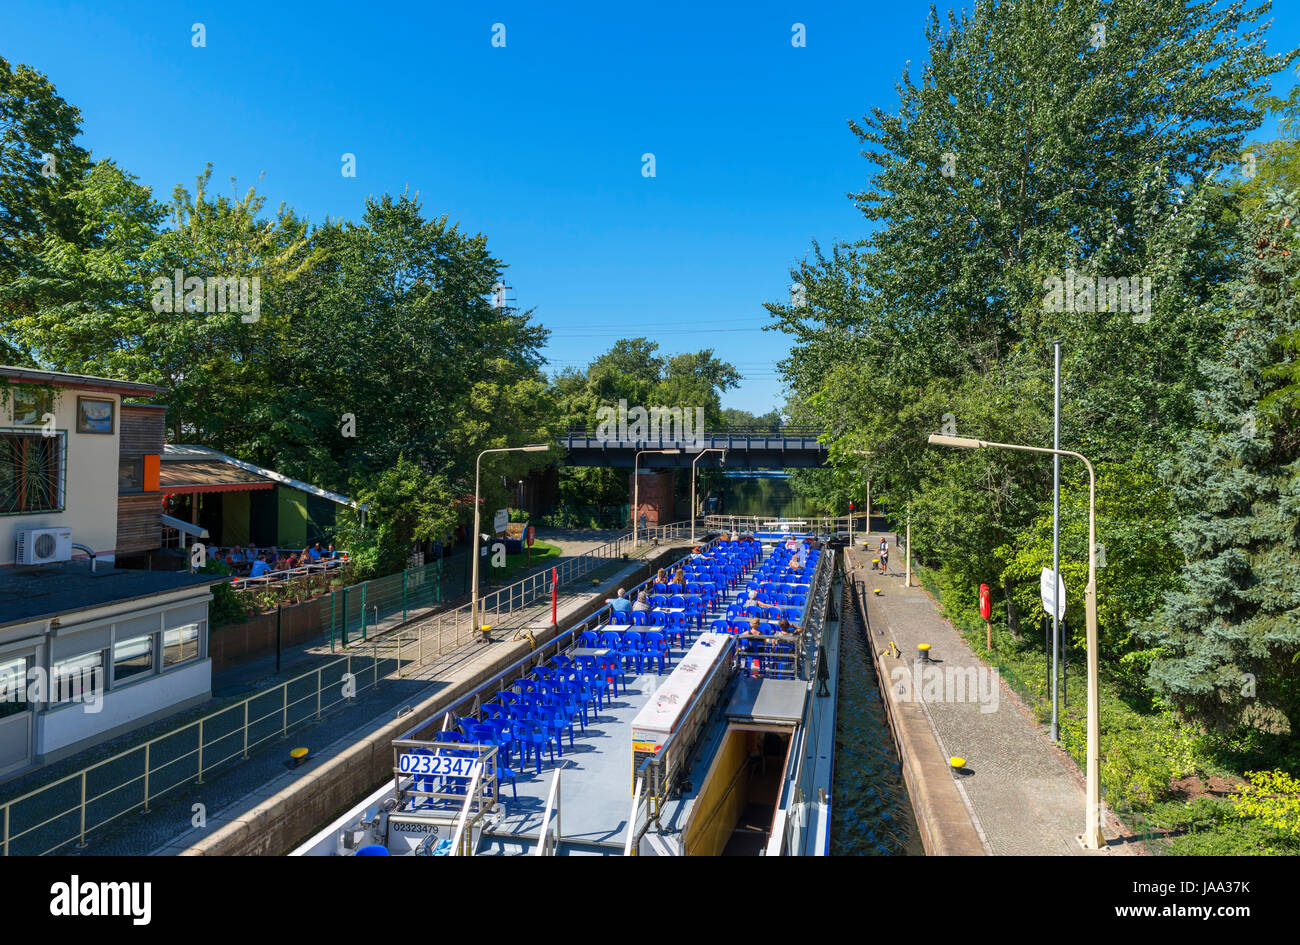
1055 733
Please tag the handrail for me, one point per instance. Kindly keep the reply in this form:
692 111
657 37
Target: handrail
544 846
459 837
633 817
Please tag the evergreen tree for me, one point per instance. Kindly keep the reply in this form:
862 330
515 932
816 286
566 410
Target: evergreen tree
1230 635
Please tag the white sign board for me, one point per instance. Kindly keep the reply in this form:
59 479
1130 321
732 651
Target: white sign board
501 520
1045 583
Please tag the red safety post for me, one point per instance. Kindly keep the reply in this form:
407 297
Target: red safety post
554 591
986 611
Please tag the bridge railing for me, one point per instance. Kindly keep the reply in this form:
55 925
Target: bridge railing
767 523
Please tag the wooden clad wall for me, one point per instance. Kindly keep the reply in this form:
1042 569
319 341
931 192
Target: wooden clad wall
142 431
139 522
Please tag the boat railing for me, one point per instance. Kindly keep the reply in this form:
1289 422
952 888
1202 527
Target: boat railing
548 840
639 817
440 786
663 768
797 790
460 845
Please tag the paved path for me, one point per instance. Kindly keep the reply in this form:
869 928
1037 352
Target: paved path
1026 794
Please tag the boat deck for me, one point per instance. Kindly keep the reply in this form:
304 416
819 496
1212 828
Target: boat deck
596 783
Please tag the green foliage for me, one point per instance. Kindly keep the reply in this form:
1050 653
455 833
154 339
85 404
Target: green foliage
1209 826
406 505
226 606
1134 525
1230 633
1273 797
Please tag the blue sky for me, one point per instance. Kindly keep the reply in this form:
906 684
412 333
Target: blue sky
537 144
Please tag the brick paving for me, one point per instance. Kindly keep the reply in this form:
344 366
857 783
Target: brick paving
1026 794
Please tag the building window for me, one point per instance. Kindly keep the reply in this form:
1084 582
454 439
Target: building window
130 474
13 685
133 657
180 644
75 680
31 473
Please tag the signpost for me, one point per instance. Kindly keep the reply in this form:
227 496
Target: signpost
500 521
1052 593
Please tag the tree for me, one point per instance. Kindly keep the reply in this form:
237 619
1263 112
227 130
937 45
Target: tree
1230 633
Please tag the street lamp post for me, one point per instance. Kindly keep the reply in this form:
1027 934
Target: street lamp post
1092 838
693 462
473 601
636 489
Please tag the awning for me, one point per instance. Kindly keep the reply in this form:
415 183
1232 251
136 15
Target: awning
185 478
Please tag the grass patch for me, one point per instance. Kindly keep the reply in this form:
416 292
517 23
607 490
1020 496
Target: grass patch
542 552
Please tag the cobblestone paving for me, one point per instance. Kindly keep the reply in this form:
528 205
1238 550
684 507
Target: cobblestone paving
1027 795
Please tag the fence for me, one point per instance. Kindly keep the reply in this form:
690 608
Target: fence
459 623
54 815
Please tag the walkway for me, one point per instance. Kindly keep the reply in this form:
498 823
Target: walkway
1026 794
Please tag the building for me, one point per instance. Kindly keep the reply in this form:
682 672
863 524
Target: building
89 647
239 503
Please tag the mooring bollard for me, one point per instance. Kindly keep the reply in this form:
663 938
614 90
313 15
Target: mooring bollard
924 649
958 765
486 630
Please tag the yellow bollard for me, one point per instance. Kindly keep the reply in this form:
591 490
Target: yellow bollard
958 765
299 755
925 652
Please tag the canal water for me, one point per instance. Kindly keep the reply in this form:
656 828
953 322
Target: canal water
871 814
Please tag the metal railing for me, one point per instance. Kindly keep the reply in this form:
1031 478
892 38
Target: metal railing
536 587
459 844
66 810
548 841
761 523
637 818
792 816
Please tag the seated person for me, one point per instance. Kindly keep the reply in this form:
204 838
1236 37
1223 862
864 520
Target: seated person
679 579
695 554
661 577
315 552
290 562
252 554
642 602
783 626
753 628
620 603
330 553
236 555
260 567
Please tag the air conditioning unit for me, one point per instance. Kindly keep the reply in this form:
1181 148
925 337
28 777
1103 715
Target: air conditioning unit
44 545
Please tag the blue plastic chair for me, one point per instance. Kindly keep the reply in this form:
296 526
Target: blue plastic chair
634 650
611 670
639 618
589 638
611 640
721 625
657 648
619 618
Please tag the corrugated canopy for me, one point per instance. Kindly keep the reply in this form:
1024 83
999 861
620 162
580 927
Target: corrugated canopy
185 477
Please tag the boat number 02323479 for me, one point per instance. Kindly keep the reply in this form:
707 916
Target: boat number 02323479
436 764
